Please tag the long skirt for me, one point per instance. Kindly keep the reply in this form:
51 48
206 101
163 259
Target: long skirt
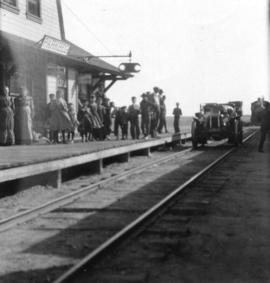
60 121
23 126
6 126
86 124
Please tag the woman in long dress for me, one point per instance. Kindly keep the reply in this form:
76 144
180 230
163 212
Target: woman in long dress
60 120
97 123
6 119
24 112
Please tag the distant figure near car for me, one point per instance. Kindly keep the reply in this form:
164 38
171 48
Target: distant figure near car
265 125
177 112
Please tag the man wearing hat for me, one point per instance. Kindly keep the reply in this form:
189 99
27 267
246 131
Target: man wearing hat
265 125
154 111
145 122
133 112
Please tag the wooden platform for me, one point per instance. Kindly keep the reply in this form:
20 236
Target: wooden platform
24 161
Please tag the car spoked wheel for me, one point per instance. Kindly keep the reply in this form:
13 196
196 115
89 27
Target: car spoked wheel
194 134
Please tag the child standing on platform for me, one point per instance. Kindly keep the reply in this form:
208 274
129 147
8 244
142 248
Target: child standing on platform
74 122
124 122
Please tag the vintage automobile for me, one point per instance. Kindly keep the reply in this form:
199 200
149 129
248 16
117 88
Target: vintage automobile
217 121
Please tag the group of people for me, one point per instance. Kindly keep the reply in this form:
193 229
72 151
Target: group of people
16 118
95 117
93 121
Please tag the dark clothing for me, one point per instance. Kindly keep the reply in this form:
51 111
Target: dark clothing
121 120
97 123
134 111
154 111
107 120
135 129
154 118
85 122
177 112
71 135
145 119
265 126
98 129
124 129
6 122
101 133
145 124
60 120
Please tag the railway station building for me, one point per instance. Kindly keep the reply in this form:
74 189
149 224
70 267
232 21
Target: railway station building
35 53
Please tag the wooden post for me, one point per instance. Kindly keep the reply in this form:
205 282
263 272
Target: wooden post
59 179
127 156
100 166
148 152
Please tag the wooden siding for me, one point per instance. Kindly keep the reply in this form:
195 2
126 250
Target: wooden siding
19 25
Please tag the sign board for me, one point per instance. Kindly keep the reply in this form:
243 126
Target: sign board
55 45
85 79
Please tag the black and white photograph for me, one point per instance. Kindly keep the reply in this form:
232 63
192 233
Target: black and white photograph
134 141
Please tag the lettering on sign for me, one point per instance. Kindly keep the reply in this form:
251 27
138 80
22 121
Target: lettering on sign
85 79
55 45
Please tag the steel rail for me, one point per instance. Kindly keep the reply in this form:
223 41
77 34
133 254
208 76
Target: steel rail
141 220
27 215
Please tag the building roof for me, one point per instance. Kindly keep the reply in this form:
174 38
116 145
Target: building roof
78 53
75 54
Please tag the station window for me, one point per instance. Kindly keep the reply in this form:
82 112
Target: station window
34 10
10 5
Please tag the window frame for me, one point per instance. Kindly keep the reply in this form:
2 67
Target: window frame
9 7
31 16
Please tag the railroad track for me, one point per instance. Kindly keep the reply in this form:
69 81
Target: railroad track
80 271
70 214
29 214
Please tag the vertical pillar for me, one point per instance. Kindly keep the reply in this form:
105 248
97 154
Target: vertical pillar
100 166
59 179
127 156
148 152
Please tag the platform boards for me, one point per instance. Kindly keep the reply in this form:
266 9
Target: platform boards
19 162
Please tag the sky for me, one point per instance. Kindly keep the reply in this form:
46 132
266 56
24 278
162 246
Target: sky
196 51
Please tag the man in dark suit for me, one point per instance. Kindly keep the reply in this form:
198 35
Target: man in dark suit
265 125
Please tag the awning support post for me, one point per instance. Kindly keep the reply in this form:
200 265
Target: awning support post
110 85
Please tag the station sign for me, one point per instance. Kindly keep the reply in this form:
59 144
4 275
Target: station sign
55 45
85 79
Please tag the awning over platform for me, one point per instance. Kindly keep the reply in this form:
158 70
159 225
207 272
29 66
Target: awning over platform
67 52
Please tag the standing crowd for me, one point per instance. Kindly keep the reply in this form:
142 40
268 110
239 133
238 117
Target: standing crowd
94 120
